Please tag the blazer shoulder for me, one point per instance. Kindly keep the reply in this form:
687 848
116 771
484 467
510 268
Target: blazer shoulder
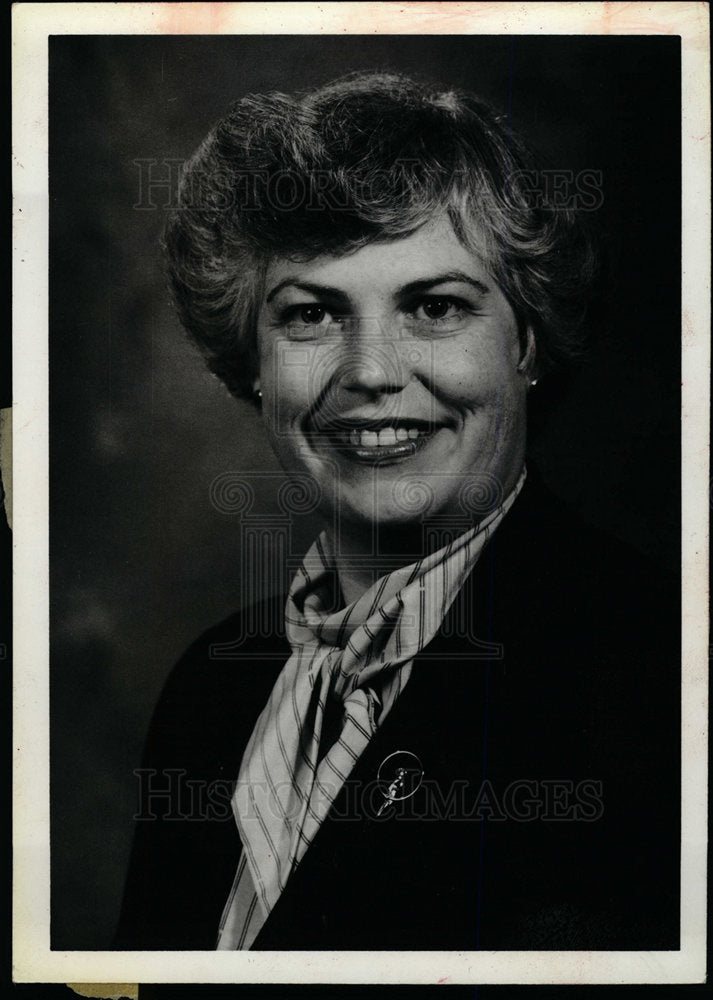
563 580
180 871
221 681
551 540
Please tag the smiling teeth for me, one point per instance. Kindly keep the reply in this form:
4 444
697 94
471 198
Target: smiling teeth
387 437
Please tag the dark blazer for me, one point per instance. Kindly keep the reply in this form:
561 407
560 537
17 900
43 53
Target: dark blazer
549 813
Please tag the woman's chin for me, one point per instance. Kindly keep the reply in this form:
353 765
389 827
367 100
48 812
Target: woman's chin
398 514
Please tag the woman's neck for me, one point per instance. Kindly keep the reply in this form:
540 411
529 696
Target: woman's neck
365 553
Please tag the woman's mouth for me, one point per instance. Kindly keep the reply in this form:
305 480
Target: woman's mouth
387 442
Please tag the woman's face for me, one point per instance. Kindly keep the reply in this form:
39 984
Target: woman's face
391 375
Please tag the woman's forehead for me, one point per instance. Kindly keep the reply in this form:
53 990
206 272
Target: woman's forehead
432 250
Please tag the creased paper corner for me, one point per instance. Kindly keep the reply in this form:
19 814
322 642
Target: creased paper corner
106 991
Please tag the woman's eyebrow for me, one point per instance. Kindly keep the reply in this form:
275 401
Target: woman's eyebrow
307 286
423 284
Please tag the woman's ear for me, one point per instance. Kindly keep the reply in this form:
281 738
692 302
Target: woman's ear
528 362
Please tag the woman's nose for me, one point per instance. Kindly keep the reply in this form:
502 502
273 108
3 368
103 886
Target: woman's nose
374 370
373 362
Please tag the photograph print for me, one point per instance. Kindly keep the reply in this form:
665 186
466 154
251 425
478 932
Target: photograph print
365 394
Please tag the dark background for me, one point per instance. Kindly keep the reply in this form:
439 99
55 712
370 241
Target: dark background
141 560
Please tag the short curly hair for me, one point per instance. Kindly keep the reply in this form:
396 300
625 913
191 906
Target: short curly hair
369 157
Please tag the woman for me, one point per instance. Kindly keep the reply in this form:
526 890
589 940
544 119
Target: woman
458 731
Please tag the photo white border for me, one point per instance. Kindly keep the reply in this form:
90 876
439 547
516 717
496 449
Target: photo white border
32 24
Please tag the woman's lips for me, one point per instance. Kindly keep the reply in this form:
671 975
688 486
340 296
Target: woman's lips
371 445
386 437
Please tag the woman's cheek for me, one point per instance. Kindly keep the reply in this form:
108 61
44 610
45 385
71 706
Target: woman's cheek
464 382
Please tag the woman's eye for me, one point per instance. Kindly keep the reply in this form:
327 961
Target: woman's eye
312 315
306 321
438 308
440 315
440 311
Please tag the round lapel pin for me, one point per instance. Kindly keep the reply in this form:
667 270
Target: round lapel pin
399 777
